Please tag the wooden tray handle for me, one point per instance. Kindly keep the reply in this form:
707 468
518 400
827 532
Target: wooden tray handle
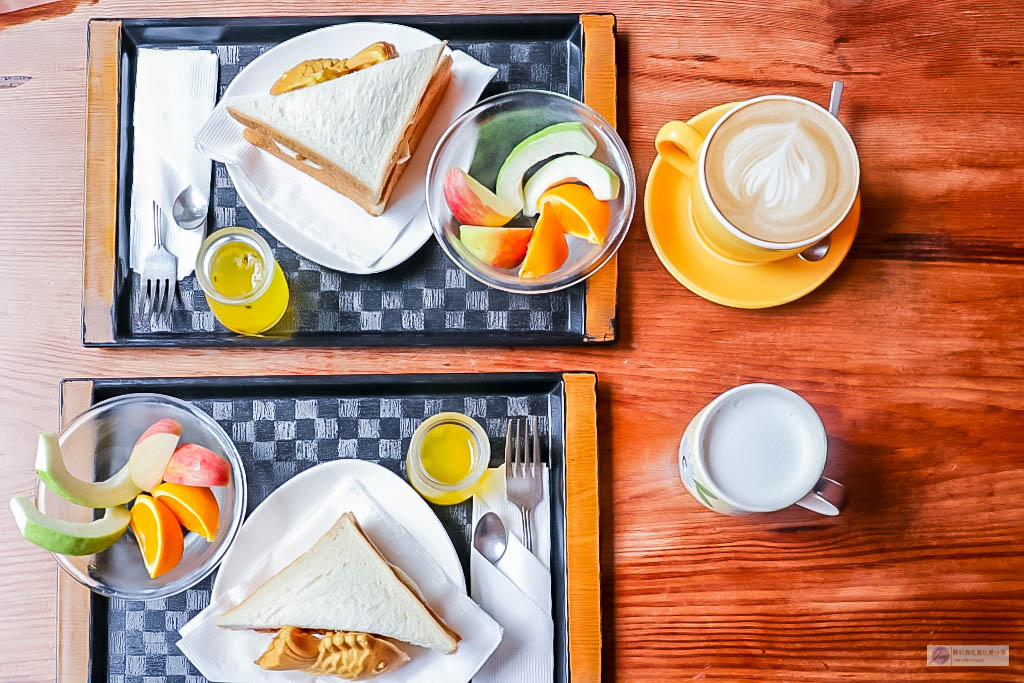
101 133
599 92
582 530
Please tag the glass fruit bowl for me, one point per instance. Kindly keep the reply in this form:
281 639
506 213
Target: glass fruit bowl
479 142
95 445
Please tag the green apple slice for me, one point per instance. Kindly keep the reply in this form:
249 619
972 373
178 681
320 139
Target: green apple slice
117 490
571 137
601 180
69 538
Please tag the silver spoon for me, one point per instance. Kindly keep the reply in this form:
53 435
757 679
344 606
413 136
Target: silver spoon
490 538
819 250
189 209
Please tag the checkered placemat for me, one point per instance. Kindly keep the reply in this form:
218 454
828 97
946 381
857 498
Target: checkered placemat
277 439
427 293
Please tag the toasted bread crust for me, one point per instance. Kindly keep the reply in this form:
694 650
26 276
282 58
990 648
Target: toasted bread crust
335 177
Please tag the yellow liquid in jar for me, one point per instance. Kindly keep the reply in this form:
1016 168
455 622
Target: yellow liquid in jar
447 453
236 270
446 457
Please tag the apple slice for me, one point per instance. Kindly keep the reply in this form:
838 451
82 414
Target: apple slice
571 137
473 203
498 247
50 468
152 452
194 465
601 180
69 538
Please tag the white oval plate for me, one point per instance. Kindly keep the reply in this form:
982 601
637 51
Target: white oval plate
291 505
260 74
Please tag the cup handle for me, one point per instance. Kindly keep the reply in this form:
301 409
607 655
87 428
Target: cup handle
826 498
679 144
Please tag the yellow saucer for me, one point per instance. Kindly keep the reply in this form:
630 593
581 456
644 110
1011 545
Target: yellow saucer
703 271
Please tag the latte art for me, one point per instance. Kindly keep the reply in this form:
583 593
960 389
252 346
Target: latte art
781 171
779 166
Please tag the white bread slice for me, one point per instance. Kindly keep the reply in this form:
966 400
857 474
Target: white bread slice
342 583
355 133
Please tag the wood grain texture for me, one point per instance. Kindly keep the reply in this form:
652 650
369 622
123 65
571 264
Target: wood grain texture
73 599
101 131
582 527
600 80
913 352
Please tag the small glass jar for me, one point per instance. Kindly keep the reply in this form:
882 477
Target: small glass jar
249 311
431 488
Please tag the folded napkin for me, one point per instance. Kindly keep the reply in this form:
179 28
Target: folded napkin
224 655
175 91
516 592
327 217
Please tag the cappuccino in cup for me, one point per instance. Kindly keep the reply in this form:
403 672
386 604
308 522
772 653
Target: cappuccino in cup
772 176
781 170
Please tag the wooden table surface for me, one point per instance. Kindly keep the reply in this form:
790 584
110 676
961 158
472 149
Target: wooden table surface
913 352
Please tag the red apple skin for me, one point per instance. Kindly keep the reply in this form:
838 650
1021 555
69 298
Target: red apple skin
151 453
472 203
164 426
194 465
498 247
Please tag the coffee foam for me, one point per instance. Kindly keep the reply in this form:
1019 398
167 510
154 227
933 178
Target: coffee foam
781 170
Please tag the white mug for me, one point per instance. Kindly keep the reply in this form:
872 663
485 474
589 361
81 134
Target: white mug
758 448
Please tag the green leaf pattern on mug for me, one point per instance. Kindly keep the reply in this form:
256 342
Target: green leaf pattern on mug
705 495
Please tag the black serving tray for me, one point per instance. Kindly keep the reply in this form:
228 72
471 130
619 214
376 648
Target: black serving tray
425 301
330 417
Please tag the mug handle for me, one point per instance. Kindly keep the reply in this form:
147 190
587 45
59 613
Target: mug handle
679 144
826 498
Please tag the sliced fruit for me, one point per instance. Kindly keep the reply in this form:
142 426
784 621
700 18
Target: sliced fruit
601 180
194 465
579 212
561 138
473 203
117 490
159 535
152 452
69 538
195 507
499 247
548 249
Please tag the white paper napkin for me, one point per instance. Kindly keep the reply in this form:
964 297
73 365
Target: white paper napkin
175 91
225 655
325 215
516 592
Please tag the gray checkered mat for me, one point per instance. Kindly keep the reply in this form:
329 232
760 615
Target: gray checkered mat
427 293
277 439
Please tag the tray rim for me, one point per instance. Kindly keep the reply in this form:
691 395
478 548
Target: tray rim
102 184
74 617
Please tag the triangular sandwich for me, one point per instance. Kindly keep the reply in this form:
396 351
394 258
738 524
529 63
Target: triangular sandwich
342 583
355 133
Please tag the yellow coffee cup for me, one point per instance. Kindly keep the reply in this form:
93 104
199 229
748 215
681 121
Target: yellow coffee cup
773 176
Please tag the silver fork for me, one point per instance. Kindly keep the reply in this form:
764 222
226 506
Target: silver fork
523 478
160 272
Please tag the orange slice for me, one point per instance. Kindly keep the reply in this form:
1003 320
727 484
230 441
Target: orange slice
194 506
580 213
547 250
158 533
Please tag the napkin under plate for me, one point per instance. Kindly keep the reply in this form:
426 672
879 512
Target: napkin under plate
224 655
